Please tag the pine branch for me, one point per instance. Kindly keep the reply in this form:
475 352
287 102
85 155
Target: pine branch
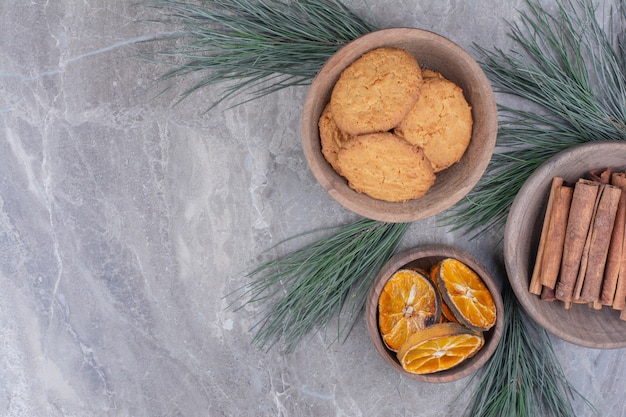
573 71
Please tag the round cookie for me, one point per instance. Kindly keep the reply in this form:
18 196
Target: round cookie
375 92
426 73
332 139
440 122
385 167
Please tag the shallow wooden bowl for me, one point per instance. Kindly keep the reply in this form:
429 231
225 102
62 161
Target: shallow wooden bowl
424 257
434 52
579 325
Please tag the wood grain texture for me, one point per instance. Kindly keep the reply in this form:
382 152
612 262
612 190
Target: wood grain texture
424 257
580 325
434 52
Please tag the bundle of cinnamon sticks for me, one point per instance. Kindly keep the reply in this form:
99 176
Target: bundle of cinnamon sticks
582 249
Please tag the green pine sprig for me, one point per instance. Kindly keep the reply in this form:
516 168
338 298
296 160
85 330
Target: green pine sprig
323 281
566 65
255 47
523 377
572 73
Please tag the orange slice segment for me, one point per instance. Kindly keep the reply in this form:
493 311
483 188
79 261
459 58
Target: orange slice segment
408 303
446 313
439 347
466 294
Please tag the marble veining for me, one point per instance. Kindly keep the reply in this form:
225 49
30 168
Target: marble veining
127 220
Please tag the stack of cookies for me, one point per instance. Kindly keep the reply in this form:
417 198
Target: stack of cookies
391 126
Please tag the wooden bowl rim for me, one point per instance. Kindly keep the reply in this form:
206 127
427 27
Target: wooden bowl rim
437 251
536 183
484 127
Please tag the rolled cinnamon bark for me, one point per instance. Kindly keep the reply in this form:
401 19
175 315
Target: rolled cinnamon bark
601 231
619 301
535 280
547 294
553 253
601 175
584 260
578 225
616 248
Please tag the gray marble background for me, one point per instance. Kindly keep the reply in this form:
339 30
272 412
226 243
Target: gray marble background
125 220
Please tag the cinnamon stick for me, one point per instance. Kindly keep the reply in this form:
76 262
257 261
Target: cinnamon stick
602 229
535 281
616 248
619 299
601 175
584 260
619 302
547 294
578 225
553 251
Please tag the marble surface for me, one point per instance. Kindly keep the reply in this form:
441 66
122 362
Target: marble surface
125 220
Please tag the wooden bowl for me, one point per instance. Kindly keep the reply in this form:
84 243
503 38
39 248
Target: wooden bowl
434 52
425 257
580 325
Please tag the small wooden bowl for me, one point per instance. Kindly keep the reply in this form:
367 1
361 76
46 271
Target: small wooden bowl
425 257
434 52
580 325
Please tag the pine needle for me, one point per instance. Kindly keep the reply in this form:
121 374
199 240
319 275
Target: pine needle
262 46
523 377
322 281
253 46
574 72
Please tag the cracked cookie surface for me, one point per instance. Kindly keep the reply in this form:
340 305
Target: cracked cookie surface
440 122
375 92
385 167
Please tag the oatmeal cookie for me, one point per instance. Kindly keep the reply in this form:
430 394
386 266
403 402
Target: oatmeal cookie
385 167
331 137
440 122
375 92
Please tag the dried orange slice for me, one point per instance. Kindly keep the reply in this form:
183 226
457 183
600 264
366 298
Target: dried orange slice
408 302
446 313
439 347
466 294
